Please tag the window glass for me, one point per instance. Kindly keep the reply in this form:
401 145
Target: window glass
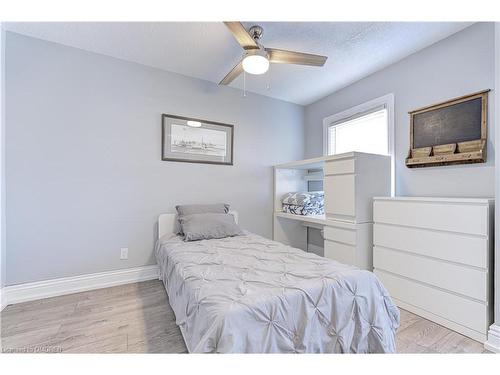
366 133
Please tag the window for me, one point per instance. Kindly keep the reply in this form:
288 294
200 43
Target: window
368 127
365 133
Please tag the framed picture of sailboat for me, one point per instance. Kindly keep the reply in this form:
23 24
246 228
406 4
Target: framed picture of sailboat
191 140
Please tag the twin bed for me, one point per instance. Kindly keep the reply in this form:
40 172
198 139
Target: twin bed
248 294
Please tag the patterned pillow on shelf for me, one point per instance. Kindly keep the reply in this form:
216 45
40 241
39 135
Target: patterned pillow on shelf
303 198
308 209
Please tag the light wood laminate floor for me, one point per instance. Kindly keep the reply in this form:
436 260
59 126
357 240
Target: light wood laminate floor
136 318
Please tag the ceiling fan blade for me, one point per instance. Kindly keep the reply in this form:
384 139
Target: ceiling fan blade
281 56
233 74
241 35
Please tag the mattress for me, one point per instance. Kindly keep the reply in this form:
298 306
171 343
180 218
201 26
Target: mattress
248 294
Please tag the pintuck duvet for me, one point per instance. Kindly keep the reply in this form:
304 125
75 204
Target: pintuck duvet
247 294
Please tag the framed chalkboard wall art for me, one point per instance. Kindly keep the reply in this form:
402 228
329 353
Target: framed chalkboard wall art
452 132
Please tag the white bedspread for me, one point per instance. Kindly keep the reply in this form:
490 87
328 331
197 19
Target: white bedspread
247 294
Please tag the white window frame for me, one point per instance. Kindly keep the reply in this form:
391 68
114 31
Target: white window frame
386 101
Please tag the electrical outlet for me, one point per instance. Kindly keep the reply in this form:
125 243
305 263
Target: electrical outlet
124 253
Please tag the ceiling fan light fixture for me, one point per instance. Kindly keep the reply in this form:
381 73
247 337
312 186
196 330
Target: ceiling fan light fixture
256 62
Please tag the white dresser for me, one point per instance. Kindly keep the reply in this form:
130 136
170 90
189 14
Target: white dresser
350 183
434 256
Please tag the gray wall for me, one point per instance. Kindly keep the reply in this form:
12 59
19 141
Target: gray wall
497 181
458 65
2 157
84 175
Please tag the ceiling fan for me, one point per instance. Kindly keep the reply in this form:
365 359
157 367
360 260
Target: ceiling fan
257 58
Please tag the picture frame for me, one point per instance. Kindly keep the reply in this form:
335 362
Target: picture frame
450 132
192 140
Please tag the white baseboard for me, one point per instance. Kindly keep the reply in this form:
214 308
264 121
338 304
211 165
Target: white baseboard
67 285
493 342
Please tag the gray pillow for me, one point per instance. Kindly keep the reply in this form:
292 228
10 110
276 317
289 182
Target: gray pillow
208 226
189 209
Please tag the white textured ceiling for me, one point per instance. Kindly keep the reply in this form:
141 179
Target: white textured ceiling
208 51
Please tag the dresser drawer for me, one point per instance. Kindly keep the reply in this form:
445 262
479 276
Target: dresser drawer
470 282
454 217
339 167
460 310
340 252
455 247
346 236
340 195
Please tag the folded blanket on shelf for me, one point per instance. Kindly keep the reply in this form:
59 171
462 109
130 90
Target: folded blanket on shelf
308 209
303 198
304 203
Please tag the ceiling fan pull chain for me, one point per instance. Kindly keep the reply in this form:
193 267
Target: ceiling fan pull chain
268 85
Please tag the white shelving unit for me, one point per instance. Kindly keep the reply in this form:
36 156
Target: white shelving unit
314 176
312 219
350 180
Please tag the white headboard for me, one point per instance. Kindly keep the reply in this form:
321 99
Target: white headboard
166 223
